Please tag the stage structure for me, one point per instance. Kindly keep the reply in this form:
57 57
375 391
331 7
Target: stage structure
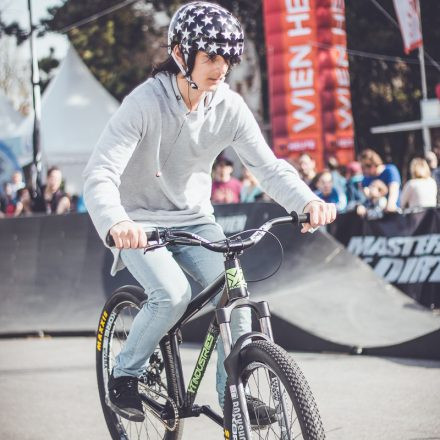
309 83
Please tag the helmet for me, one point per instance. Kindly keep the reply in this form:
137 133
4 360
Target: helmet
208 27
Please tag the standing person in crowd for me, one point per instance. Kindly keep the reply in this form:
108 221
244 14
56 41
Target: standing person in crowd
421 190
152 167
23 205
307 170
339 181
376 201
373 168
432 160
327 192
225 187
250 188
7 201
52 199
355 193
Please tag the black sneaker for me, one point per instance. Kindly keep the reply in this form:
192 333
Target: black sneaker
259 413
124 398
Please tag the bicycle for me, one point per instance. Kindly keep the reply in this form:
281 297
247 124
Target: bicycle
255 365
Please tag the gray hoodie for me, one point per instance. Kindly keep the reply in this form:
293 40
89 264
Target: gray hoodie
152 163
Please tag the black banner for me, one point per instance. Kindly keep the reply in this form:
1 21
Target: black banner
404 249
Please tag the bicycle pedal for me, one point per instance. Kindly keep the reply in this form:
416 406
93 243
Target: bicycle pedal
131 416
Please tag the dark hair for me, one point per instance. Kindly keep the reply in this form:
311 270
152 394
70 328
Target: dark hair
332 163
170 66
223 161
371 157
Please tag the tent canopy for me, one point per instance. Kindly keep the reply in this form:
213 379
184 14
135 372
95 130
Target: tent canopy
74 110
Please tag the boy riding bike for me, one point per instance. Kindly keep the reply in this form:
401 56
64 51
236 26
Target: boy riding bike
152 168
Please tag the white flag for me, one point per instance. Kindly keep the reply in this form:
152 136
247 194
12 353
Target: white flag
406 11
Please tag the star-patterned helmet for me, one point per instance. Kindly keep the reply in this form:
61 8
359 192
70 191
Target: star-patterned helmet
208 27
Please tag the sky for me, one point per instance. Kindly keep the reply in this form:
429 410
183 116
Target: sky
17 10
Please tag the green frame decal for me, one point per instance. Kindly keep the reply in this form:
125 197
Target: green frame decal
202 361
235 278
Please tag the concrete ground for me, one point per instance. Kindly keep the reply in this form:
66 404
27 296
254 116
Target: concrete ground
48 391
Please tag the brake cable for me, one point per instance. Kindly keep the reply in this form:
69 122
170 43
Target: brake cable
256 230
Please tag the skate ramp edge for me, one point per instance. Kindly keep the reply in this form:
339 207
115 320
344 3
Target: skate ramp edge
294 338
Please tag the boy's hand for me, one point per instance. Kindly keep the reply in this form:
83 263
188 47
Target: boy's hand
128 235
321 214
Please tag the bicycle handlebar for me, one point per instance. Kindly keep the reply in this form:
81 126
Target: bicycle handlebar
164 236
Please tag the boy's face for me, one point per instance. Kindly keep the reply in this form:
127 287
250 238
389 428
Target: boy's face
209 72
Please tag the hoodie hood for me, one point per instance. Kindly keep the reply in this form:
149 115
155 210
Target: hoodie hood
166 84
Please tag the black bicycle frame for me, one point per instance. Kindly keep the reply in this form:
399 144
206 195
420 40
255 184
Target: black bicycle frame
235 294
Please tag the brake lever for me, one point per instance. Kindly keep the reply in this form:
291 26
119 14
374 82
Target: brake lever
182 240
153 247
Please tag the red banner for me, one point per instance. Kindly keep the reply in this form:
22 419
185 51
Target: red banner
309 85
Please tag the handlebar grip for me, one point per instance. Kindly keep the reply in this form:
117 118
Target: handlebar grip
109 240
151 235
300 218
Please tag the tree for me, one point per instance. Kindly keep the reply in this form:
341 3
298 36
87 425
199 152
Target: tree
119 48
13 29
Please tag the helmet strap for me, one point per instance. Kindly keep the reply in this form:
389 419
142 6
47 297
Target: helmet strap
185 72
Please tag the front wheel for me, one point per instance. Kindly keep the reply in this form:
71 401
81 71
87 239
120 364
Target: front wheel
157 380
272 378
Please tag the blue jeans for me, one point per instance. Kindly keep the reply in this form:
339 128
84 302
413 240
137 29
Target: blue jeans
161 274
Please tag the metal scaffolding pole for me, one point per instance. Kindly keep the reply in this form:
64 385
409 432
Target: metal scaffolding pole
425 129
36 99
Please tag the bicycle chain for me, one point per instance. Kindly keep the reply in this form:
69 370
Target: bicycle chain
158 416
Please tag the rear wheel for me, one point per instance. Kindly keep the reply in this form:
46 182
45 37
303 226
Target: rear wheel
156 381
270 375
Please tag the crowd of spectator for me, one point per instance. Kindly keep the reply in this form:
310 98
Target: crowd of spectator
367 185
17 199
370 187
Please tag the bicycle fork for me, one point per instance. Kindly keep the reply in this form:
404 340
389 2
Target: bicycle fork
237 294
